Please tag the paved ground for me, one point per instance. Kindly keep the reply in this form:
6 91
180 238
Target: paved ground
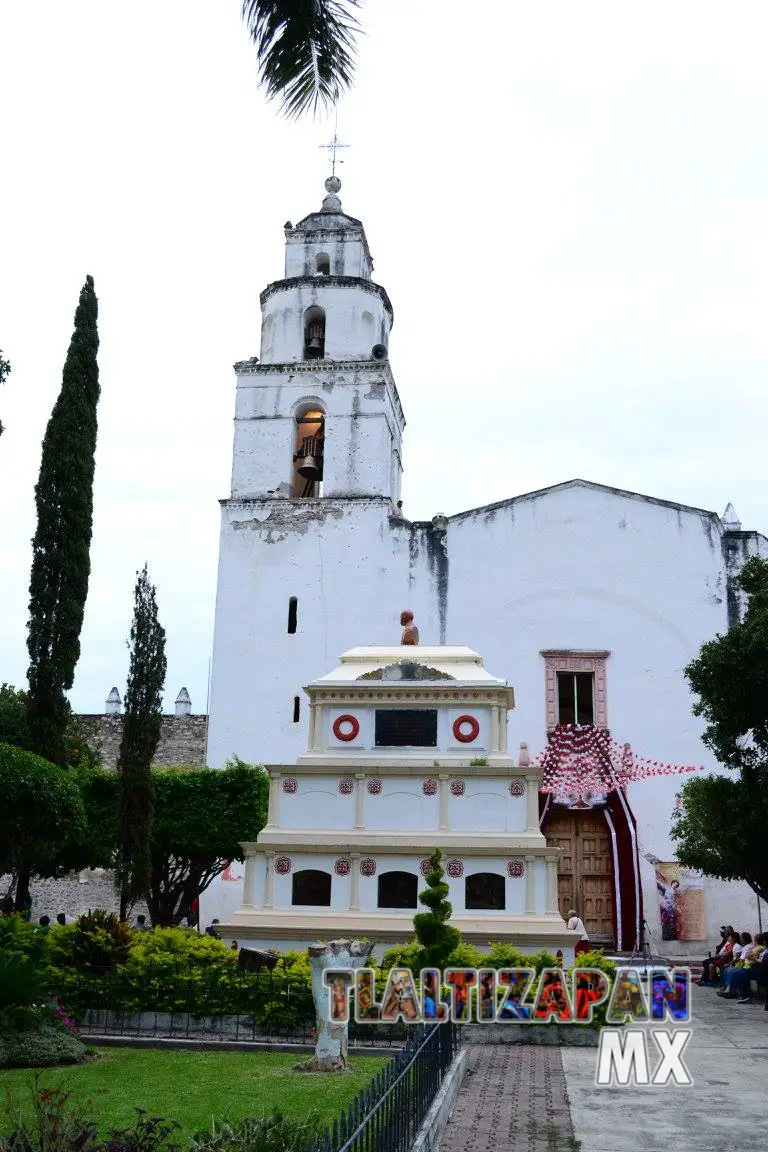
513 1099
725 1107
533 1099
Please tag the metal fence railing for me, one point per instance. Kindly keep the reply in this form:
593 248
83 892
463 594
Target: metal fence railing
387 1114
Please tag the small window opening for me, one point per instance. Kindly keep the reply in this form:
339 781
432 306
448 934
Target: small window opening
296 709
312 887
293 608
575 698
485 890
308 455
314 333
323 263
398 890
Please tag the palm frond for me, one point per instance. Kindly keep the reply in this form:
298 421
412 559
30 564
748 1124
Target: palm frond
305 49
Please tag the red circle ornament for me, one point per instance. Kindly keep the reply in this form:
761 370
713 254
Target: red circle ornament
374 786
516 869
367 867
455 869
457 787
424 866
290 785
283 865
517 788
429 787
346 785
346 727
466 729
343 866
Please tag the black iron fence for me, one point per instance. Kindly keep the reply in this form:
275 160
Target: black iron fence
387 1115
251 1007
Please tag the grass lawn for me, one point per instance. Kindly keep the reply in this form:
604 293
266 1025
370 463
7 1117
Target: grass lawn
191 1087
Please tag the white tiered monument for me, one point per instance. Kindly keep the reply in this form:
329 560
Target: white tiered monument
407 752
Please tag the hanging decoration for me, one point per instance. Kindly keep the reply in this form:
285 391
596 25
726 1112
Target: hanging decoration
583 761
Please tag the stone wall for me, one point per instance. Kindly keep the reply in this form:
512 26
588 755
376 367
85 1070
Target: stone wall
182 739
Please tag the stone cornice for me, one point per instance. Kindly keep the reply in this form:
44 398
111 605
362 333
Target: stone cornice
374 764
386 844
437 692
547 931
254 367
329 282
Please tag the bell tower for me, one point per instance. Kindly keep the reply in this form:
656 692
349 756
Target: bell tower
311 528
317 413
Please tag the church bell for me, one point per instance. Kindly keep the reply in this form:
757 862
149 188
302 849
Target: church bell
310 458
313 349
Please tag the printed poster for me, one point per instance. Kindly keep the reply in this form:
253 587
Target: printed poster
681 902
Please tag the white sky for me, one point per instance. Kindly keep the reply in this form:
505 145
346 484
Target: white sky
567 203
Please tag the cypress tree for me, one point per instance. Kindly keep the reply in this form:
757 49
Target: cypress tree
437 937
61 562
138 744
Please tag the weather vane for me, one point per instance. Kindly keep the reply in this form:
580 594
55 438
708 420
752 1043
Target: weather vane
334 146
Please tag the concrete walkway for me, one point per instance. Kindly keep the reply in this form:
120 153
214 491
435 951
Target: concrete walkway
725 1107
521 1098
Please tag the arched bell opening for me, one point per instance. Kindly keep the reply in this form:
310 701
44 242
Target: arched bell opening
323 264
309 445
314 333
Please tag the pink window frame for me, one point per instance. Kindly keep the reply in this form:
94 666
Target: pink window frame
572 660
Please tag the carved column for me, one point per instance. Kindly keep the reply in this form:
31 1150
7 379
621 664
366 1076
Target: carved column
530 885
552 885
493 743
532 802
249 881
359 800
269 884
273 816
312 725
442 818
503 731
354 886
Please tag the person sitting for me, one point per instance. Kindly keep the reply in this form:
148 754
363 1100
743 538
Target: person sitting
576 924
723 959
61 919
141 923
44 921
739 976
744 941
704 982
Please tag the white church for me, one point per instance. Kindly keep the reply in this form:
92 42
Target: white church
589 602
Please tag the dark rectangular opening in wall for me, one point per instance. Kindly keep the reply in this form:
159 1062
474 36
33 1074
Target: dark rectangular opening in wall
406 728
575 698
293 608
296 709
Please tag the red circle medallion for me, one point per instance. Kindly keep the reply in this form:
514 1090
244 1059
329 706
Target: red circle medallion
466 729
346 727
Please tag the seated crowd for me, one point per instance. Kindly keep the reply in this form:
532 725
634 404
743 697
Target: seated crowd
738 961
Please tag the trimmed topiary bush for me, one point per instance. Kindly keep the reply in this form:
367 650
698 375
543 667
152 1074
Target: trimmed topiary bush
40 1047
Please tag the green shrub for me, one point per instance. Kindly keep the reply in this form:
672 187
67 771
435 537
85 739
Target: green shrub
40 1047
23 989
20 938
504 955
403 956
465 955
274 1133
97 942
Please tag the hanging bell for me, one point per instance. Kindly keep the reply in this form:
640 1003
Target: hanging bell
313 348
310 468
310 458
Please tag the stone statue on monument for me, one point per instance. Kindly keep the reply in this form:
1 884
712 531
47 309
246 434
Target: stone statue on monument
410 631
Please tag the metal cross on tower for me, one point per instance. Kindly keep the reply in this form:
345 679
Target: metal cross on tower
333 147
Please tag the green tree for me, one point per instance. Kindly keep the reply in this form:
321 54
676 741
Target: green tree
41 808
719 827
61 545
201 817
140 736
5 371
433 932
14 717
305 49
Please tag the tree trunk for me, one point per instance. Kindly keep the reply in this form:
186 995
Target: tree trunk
23 881
332 1035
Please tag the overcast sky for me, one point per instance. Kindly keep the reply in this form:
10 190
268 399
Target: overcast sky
567 203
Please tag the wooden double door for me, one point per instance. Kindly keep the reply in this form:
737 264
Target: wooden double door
585 877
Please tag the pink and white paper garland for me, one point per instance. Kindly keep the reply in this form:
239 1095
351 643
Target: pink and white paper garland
581 759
